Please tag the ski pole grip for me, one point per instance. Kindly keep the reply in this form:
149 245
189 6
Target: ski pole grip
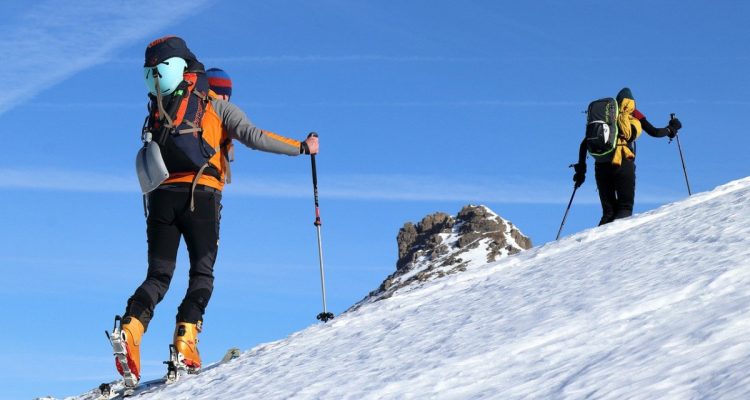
671 116
314 167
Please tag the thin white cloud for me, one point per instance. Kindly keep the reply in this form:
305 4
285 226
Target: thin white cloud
362 187
397 104
456 103
85 105
340 58
320 58
51 41
384 58
404 187
352 104
66 180
700 102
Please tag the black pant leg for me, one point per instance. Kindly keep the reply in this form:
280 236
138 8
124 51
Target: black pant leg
606 186
163 241
625 187
201 231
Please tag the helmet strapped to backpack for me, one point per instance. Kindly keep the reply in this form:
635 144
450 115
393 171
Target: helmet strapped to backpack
165 76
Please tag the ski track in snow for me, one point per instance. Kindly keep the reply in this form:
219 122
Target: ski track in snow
651 307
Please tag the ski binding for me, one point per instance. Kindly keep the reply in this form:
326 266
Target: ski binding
120 351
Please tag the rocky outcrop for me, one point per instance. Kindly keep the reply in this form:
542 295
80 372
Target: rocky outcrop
441 244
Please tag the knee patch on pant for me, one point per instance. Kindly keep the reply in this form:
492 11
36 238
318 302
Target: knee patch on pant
194 306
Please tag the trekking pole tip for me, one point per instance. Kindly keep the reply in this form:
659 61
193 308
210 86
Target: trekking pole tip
325 316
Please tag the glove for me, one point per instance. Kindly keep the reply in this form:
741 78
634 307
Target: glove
580 175
673 127
310 145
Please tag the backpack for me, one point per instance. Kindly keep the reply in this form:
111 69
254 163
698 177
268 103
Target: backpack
601 127
174 141
176 127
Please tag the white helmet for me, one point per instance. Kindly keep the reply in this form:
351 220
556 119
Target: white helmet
167 75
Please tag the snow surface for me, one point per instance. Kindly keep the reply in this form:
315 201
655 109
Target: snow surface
652 307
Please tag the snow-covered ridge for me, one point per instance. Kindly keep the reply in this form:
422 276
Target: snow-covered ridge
651 307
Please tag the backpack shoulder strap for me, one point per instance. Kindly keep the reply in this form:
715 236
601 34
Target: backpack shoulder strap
194 105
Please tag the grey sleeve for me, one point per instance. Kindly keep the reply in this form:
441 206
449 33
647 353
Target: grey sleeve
239 127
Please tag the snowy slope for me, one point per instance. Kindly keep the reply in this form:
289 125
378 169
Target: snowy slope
652 307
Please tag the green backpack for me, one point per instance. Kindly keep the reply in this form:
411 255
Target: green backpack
601 127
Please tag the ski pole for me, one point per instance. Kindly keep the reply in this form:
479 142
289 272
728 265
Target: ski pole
679 148
565 217
325 315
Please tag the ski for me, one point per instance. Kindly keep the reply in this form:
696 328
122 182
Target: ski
119 390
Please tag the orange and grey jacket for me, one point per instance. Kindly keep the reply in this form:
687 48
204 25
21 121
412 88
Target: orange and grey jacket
224 122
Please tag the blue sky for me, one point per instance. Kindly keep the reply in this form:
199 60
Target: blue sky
421 106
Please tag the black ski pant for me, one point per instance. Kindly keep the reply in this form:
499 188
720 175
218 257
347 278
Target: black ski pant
616 186
169 218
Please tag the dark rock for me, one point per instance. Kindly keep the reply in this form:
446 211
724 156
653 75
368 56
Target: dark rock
436 246
413 241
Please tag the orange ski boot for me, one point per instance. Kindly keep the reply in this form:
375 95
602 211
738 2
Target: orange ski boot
186 344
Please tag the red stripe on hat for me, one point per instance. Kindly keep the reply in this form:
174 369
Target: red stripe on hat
160 40
223 82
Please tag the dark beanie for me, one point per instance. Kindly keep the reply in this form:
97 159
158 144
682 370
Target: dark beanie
168 47
219 81
624 93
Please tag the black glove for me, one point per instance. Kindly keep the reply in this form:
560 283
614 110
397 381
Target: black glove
674 126
580 175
